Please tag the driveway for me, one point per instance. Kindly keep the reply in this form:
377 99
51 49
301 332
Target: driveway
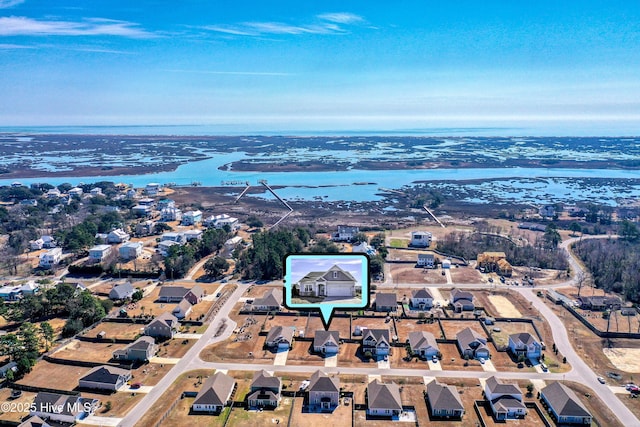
281 358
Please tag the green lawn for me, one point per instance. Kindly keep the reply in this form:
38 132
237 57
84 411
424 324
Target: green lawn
399 243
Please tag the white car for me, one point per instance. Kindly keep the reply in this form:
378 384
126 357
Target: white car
481 360
601 380
434 359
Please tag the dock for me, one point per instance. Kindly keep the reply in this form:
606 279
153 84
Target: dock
433 216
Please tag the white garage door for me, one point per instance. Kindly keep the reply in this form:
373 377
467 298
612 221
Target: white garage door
338 291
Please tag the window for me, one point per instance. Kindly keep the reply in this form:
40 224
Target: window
335 274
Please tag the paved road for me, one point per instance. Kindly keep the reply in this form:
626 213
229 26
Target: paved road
148 402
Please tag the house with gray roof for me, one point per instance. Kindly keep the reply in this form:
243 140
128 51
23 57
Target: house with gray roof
444 400
386 301
324 391
177 293
62 408
376 341
335 282
105 377
326 342
472 344
165 326
423 344
271 301
122 291
505 399
265 391
564 405
141 350
427 260
462 300
215 394
34 421
183 309
280 338
421 299
525 344
383 400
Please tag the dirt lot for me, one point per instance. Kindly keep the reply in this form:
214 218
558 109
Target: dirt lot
465 275
175 347
409 273
150 373
240 417
16 413
300 355
503 306
341 416
61 377
149 304
625 359
87 351
405 326
121 403
451 359
180 416
452 327
117 330
230 350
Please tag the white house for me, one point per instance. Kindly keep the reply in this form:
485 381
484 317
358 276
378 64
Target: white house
130 250
345 233
36 245
141 210
383 400
193 235
231 244
219 221
421 299
334 282
364 248
420 239
99 252
505 399
118 236
50 258
427 260
165 245
170 214
75 192
215 394
152 189
174 237
96 191
192 217
525 344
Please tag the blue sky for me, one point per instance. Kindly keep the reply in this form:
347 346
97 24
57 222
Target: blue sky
542 67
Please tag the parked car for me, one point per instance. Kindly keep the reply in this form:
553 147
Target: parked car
481 360
629 386
601 380
434 359
136 386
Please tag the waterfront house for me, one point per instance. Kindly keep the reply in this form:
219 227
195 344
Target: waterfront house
420 239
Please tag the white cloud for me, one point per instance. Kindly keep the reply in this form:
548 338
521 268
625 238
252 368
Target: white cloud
233 73
4 4
341 18
22 26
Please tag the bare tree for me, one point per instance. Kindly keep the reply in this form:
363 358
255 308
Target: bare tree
580 281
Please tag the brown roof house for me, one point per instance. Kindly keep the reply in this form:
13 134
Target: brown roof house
444 401
324 392
505 399
105 378
215 394
383 400
265 391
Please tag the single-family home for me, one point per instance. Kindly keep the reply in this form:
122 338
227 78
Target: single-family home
364 248
99 252
62 408
215 394
130 250
265 391
164 247
34 421
462 300
164 326
192 217
29 288
376 341
193 235
444 400
421 299
383 399
173 237
472 344
177 293
446 264
50 258
53 193
10 293
75 192
505 399
420 239
488 261
141 350
36 245
231 244
600 302
152 189
271 301
145 228
548 211
48 242
95 191
142 211
183 309
423 344
280 338
105 377
565 406
334 282
324 391
386 301
427 260
525 344
131 193
118 236
170 214
122 291
219 221
345 233
147 201
326 342
166 203
4 369
101 238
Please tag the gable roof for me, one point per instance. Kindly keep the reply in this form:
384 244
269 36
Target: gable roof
496 386
263 379
523 338
215 390
273 298
383 396
67 405
34 421
377 334
386 299
197 291
173 291
421 293
444 397
422 339
184 305
564 401
466 336
321 382
457 294
280 333
166 319
105 374
142 343
322 337
122 291
343 276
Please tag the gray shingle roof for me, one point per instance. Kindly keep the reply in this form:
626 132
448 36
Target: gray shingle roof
383 396
457 294
421 293
496 386
443 397
467 336
263 379
507 403
386 299
34 421
377 334
68 405
524 338
122 291
273 298
322 382
173 291
105 374
422 339
142 343
322 337
215 390
564 401
281 333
